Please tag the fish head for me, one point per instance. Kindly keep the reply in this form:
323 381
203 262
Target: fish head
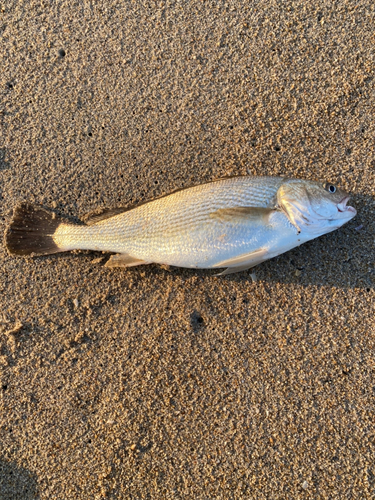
314 207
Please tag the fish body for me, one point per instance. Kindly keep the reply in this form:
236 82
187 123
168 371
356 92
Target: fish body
235 223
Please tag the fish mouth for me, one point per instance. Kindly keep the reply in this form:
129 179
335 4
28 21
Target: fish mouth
343 207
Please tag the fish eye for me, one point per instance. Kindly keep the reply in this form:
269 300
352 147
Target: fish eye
329 187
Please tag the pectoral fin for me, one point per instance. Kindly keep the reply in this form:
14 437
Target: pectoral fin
243 262
124 260
257 214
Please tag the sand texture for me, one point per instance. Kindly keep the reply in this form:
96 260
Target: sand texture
150 383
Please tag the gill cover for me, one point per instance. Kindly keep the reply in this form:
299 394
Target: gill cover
293 199
314 205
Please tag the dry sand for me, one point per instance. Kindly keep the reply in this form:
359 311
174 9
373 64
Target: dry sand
178 384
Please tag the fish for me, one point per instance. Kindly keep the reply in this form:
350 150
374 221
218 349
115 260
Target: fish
233 223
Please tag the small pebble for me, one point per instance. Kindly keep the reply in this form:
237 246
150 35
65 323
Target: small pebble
298 272
75 302
305 485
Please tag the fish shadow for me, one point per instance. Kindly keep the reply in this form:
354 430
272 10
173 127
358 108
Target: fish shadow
17 482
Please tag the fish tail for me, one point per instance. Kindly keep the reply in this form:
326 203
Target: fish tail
31 231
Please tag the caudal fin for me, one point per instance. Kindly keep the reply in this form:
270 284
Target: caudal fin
31 231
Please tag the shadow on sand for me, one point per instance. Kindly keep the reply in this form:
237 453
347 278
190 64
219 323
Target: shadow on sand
17 483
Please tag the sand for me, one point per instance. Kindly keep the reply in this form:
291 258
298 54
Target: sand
156 384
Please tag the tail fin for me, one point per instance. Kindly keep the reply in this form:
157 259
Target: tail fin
31 231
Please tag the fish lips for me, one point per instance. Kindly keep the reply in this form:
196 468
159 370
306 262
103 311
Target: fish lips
342 207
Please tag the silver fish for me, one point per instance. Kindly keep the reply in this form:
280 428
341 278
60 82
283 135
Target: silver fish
234 223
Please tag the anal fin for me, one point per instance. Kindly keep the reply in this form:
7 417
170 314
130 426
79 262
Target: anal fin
124 260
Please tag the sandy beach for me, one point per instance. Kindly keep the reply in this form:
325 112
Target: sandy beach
150 383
